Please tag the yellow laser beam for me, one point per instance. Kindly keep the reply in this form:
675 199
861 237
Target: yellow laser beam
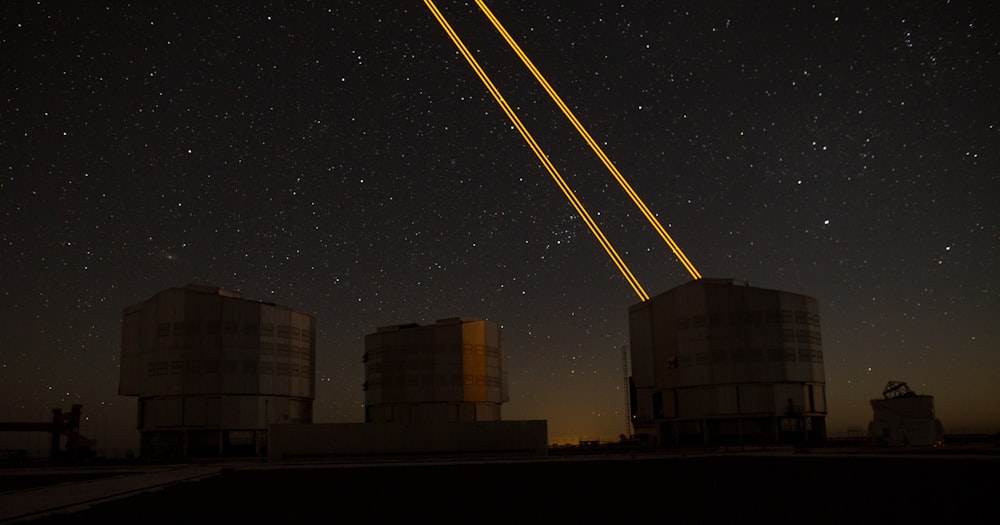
580 209
590 141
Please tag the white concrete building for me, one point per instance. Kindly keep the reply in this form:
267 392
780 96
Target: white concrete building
719 361
902 417
470 439
212 371
449 371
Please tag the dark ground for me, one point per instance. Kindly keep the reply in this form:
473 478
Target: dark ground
12 483
694 489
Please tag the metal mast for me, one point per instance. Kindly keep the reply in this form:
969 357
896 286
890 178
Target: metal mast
628 397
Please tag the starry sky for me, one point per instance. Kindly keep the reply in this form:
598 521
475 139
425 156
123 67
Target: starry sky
343 159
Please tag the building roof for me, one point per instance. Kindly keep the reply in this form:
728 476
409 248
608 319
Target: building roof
714 281
439 322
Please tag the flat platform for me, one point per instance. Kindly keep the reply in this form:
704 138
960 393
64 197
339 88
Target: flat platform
703 488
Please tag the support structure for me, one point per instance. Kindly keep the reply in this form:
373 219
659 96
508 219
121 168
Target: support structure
62 425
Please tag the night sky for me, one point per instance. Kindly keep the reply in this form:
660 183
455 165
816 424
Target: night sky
343 159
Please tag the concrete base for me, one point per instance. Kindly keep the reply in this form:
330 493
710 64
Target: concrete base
480 438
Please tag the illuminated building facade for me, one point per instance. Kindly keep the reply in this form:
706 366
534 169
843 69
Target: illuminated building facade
212 371
449 371
719 361
429 390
